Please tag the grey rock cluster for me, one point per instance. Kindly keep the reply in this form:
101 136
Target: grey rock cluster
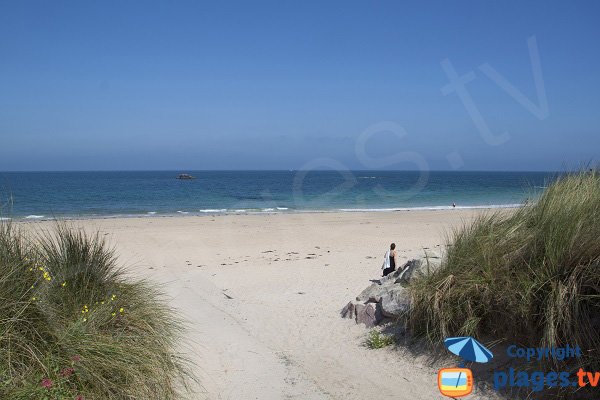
386 298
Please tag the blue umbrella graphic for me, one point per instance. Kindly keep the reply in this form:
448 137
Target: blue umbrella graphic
469 349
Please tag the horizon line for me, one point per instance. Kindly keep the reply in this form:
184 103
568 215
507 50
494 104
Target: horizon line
287 170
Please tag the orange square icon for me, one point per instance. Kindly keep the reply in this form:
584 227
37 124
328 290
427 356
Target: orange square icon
455 382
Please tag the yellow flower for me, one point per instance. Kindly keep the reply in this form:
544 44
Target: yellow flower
63 284
113 297
102 302
113 314
34 298
121 310
85 320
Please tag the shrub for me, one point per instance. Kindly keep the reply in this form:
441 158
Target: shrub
532 275
378 340
72 325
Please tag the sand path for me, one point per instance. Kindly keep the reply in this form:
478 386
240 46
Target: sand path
262 295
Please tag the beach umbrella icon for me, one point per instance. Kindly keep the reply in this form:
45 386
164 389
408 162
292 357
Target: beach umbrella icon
468 348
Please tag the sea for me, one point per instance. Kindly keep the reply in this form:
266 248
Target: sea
63 195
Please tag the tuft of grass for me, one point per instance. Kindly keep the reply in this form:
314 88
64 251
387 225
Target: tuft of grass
72 325
530 276
378 340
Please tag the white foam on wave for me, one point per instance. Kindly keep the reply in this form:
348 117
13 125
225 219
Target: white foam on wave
151 212
268 209
183 212
282 208
430 208
34 216
5 219
214 210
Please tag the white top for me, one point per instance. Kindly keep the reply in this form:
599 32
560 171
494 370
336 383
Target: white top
386 260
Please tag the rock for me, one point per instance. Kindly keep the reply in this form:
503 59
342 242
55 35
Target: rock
406 271
378 313
396 302
367 314
388 297
348 311
372 294
390 278
411 269
358 309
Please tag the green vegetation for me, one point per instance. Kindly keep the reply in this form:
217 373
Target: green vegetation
72 327
377 340
529 276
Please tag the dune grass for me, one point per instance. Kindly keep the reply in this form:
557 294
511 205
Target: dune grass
73 327
530 276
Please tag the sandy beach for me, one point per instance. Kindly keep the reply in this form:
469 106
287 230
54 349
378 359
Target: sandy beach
262 296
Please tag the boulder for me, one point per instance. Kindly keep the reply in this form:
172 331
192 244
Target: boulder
390 278
372 294
411 269
367 314
396 302
348 311
388 297
358 309
379 313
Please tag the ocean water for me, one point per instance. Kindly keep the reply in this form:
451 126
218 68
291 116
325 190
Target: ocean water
41 195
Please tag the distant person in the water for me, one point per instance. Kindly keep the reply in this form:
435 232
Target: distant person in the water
389 262
453 205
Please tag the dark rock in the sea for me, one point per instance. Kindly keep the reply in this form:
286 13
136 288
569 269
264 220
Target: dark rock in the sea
348 311
396 302
367 314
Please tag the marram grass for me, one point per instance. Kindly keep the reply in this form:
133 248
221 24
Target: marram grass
72 326
531 276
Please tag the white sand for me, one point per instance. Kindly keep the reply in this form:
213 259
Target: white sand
279 334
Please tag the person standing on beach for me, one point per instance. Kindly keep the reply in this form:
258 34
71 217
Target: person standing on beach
389 262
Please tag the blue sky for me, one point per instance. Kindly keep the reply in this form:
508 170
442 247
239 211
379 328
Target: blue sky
282 85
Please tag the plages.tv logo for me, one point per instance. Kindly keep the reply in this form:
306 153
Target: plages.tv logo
458 381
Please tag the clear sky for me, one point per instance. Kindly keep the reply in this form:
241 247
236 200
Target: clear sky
286 85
